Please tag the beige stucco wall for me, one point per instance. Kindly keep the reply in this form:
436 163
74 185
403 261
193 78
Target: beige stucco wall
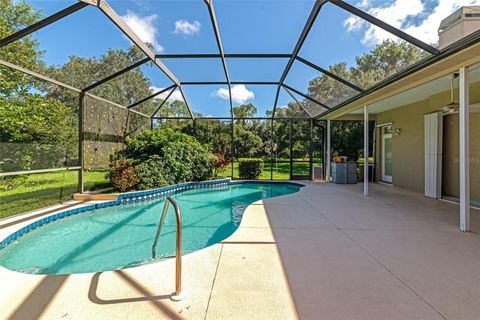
408 146
450 185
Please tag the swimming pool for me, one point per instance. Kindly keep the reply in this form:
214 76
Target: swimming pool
119 234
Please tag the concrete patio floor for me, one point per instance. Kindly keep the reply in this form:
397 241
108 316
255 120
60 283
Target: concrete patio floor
325 252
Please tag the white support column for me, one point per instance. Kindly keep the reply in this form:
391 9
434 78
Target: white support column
464 118
329 154
365 151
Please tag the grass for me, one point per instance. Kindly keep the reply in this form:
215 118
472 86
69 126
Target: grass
281 170
44 189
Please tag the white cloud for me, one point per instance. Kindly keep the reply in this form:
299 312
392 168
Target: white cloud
144 27
396 13
240 93
176 95
187 28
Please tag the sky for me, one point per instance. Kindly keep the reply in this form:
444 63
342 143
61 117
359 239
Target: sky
246 26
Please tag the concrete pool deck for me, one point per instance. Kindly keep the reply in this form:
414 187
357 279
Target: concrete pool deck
325 252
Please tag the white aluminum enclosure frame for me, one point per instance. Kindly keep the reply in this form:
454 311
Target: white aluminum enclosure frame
464 126
365 151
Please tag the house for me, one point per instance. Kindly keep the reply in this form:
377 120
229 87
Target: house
427 135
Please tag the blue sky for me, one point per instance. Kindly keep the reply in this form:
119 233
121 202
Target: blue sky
245 27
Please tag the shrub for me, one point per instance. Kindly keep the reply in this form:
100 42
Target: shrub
164 157
250 168
219 163
123 175
151 174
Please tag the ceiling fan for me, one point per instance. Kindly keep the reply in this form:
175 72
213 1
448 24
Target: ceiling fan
452 106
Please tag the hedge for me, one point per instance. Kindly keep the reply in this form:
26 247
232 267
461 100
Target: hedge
250 168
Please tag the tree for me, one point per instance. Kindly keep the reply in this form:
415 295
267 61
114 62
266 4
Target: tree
300 130
247 142
174 108
15 16
212 132
386 59
328 90
42 133
38 132
245 111
347 138
81 72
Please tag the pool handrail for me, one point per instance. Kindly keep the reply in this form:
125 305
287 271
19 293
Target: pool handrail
177 295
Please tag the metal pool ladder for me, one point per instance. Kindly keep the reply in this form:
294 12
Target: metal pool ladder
177 295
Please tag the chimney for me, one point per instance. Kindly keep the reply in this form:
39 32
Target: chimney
459 24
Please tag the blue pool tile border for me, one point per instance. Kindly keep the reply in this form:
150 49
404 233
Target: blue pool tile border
135 197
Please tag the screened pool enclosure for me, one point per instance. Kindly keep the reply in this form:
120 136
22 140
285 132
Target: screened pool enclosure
280 121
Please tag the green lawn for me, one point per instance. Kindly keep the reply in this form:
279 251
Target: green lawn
281 170
44 189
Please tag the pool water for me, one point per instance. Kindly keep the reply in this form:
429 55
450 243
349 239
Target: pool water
121 236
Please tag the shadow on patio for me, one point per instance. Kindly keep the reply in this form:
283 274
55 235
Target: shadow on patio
145 295
34 305
394 254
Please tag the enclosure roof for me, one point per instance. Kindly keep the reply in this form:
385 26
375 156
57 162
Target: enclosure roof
318 106
463 53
